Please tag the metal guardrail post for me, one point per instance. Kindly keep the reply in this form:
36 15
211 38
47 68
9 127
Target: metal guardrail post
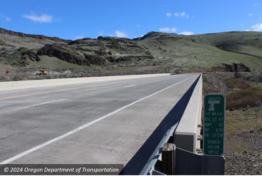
155 172
168 161
156 154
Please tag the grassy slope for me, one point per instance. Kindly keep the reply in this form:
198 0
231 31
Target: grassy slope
182 51
168 49
27 42
238 41
52 63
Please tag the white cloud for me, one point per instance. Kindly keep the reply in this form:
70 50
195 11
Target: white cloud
79 37
138 25
181 14
7 19
176 14
257 27
41 19
247 30
168 14
167 29
256 5
187 33
250 14
121 34
101 33
241 25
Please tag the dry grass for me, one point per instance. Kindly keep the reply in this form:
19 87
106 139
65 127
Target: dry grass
243 94
237 83
239 121
236 145
237 99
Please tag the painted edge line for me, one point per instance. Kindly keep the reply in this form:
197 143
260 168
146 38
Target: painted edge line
82 127
40 104
130 86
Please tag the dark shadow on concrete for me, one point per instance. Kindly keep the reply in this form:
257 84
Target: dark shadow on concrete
137 163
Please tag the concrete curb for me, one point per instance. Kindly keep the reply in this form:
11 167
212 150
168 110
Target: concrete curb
185 136
16 85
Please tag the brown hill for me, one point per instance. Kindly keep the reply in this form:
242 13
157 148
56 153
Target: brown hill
154 52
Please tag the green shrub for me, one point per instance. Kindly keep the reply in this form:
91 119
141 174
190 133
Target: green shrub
236 99
237 83
205 86
48 77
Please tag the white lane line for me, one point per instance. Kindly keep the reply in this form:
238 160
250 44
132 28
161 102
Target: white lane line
82 127
130 86
40 104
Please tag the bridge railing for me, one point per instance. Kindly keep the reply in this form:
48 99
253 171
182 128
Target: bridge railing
185 133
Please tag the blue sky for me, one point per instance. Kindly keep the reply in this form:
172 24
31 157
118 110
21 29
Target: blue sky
74 19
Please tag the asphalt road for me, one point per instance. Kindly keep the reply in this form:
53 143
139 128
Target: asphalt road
94 123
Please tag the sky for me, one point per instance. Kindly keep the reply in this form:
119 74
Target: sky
76 19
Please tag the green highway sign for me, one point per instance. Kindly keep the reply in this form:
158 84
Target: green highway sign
214 124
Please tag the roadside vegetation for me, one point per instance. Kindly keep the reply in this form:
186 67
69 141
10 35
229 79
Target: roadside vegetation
243 105
243 95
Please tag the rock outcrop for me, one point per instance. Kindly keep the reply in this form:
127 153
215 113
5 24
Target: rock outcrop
129 58
71 55
63 52
31 55
56 39
236 67
95 60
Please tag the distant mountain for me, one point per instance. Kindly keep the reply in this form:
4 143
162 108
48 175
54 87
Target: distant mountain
154 52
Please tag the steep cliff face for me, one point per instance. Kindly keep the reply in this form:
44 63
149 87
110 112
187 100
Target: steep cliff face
129 58
28 55
63 52
71 55
236 67
42 37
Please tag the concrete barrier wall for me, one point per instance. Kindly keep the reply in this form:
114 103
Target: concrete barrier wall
16 85
185 136
25 84
5 86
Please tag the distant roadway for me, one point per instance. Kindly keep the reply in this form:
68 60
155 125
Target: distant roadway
92 123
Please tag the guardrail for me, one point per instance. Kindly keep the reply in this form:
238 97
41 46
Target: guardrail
184 133
188 131
150 165
16 85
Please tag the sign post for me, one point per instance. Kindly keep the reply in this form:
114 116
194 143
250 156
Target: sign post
214 124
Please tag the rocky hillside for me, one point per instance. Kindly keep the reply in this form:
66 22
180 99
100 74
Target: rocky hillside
42 37
154 52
